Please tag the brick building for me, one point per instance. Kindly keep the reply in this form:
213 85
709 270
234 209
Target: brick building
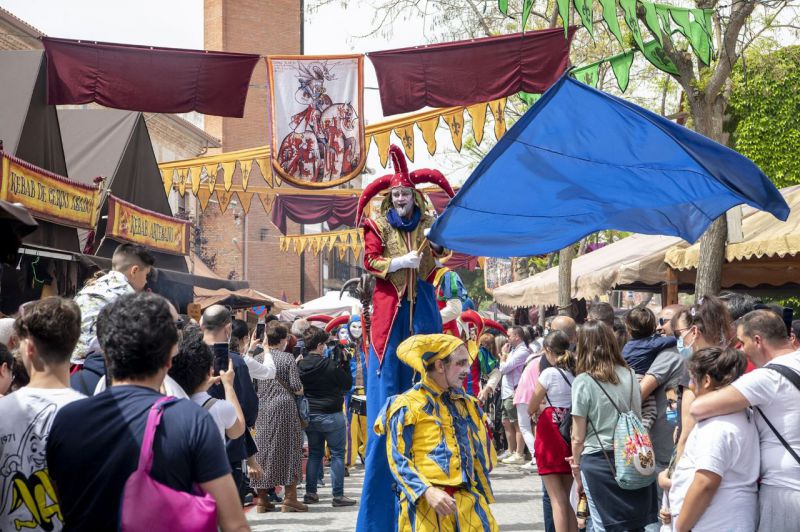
248 246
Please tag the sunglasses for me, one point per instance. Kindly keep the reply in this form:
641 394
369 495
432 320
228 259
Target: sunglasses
664 321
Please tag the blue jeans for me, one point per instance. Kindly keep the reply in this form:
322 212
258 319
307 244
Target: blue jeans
323 428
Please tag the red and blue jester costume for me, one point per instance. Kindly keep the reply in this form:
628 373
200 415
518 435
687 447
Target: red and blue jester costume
403 304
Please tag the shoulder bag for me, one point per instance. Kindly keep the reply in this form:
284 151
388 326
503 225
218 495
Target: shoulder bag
565 419
149 505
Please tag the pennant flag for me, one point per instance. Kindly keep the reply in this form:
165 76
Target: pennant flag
498 108
590 74
406 135
655 53
610 18
428 128
651 20
203 196
195 177
245 198
266 201
584 10
629 13
455 121
601 179
166 178
621 65
478 115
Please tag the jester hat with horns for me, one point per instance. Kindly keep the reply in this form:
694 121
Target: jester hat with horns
401 178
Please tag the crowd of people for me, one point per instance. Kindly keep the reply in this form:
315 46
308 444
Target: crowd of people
689 419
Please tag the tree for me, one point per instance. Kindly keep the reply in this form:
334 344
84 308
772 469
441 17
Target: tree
764 103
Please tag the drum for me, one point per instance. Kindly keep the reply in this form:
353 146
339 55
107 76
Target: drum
358 404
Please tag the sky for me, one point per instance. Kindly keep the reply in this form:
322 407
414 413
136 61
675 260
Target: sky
333 29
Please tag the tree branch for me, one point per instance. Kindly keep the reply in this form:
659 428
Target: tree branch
727 55
481 21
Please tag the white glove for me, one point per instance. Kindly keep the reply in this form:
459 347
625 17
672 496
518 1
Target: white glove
409 260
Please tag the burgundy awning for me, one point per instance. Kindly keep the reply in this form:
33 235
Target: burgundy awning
310 209
469 72
147 79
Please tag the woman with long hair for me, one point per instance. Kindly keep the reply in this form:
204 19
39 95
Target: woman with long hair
554 388
604 385
707 323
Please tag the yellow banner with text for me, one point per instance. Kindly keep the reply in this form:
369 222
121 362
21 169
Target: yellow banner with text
129 223
49 196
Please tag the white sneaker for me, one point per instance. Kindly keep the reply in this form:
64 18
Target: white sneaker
502 456
530 467
514 459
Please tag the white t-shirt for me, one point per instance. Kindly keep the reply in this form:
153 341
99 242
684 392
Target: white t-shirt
222 412
780 401
25 419
558 391
728 446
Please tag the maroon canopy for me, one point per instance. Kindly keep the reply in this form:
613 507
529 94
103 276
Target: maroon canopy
310 209
147 79
468 72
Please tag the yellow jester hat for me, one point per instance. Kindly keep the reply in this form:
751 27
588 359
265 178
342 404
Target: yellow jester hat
420 350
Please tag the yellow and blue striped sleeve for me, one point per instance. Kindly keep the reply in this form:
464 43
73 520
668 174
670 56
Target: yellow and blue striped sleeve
400 435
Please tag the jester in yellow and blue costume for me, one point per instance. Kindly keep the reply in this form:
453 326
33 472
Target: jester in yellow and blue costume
436 439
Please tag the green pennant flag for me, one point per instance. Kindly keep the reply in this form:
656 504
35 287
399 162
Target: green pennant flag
629 11
694 31
610 18
563 12
651 20
584 9
654 53
526 12
529 98
502 5
621 65
663 14
590 74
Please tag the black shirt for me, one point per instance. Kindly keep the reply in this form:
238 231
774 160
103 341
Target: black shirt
243 446
325 382
94 445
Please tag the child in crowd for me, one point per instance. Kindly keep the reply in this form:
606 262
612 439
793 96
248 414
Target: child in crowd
714 486
642 349
192 369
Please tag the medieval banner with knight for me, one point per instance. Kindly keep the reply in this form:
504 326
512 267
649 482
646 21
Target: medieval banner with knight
403 263
316 120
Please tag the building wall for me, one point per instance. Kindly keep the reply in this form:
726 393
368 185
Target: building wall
266 28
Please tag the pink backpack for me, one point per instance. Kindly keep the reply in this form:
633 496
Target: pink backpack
150 506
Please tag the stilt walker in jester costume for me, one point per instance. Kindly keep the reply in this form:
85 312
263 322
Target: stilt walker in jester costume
403 263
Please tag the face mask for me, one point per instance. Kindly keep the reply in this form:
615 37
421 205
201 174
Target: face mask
684 350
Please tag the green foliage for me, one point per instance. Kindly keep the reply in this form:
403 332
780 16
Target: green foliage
765 111
473 282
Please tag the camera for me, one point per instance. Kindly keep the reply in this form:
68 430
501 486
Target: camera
338 352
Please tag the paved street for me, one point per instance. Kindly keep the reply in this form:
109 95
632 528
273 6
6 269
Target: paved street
518 506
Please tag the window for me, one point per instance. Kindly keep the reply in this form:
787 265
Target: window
263 233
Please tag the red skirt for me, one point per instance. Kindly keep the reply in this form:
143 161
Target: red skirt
549 447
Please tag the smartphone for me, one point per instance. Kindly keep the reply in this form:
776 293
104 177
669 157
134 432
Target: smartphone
260 330
221 358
